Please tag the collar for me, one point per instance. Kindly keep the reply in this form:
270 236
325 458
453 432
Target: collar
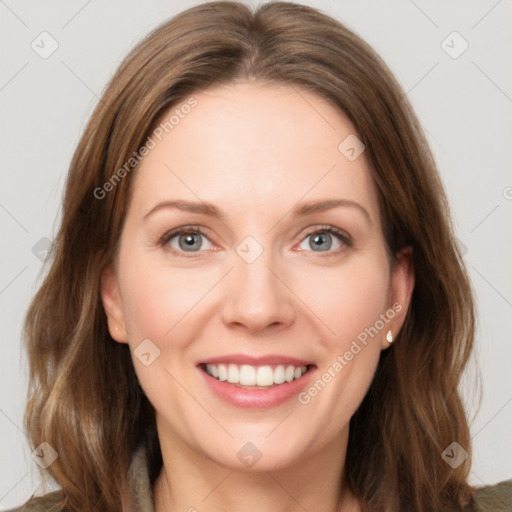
139 482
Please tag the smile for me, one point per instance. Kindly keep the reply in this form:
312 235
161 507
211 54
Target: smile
255 376
256 386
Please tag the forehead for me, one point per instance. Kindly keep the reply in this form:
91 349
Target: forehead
252 146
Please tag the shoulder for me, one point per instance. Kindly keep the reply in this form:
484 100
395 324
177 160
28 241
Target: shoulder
494 498
52 502
491 498
139 479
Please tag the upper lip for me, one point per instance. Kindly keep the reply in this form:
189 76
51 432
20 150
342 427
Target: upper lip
268 360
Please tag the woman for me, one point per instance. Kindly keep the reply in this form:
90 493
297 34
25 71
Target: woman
254 299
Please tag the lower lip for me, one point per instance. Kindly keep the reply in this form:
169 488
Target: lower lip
257 398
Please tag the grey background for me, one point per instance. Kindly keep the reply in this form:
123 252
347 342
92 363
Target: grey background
463 103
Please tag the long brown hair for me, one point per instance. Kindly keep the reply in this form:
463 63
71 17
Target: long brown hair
84 397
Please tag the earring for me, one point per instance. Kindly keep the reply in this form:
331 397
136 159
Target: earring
389 336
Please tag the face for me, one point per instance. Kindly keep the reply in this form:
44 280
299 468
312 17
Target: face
265 288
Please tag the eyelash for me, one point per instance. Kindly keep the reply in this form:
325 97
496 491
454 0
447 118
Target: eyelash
188 230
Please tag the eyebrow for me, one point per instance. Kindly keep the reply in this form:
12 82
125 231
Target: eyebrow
300 210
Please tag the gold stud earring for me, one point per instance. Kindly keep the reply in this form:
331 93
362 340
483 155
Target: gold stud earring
389 336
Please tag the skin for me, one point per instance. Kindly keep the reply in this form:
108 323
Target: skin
254 151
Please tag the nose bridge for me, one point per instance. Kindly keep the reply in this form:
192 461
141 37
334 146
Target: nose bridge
258 298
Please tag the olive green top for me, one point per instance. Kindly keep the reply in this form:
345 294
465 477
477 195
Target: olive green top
492 498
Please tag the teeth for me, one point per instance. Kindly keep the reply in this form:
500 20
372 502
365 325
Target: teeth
247 375
222 371
233 374
265 376
279 374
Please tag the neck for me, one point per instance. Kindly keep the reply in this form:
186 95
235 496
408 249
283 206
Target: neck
190 481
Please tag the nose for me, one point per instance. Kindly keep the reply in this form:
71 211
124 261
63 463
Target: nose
257 296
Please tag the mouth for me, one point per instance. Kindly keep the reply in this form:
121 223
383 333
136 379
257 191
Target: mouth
256 382
262 377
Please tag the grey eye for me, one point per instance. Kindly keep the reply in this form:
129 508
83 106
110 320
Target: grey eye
320 241
187 242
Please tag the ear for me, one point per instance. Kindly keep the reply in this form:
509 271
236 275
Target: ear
111 299
401 288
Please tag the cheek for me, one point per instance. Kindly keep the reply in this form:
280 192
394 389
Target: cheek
156 296
350 298
364 298
157 304
353 308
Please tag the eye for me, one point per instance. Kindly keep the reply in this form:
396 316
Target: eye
321 240
186 239
191 239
